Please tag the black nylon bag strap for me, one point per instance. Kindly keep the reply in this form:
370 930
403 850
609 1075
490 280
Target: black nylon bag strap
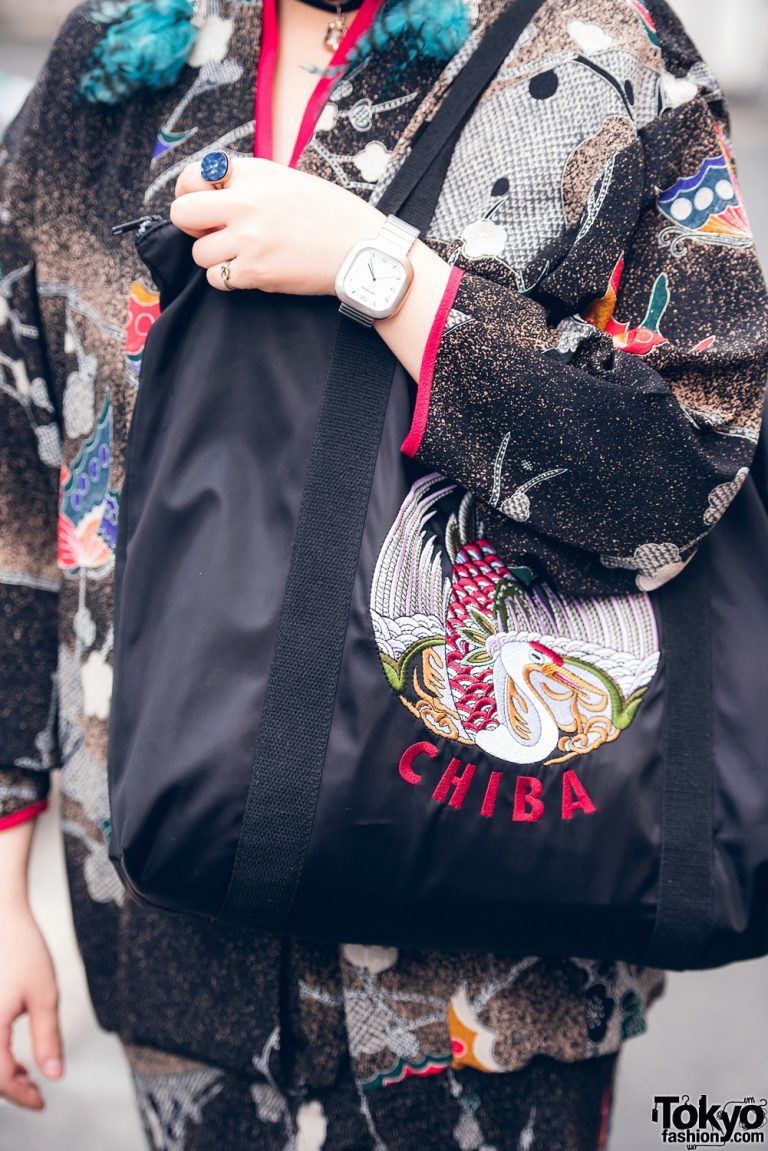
685 895
301 692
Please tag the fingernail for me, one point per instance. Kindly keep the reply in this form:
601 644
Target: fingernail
53 1067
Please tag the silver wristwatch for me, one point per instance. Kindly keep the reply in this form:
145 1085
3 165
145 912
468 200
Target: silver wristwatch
376 274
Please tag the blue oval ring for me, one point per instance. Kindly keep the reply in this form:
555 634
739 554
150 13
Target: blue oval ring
216 167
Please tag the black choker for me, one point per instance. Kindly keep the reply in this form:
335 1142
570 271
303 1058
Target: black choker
330 7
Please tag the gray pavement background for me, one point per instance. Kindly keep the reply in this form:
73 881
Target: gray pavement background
709 1033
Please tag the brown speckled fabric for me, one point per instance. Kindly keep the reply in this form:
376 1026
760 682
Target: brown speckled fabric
610 327
559 1106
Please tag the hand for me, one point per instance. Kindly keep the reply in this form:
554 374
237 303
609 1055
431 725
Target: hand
283 230
27 984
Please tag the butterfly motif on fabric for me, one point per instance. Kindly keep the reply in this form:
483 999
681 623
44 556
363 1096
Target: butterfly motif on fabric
88 508
706 207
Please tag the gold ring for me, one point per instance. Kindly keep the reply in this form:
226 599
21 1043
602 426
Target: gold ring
226 273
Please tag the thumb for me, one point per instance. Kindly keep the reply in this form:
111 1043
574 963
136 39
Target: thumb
44 1026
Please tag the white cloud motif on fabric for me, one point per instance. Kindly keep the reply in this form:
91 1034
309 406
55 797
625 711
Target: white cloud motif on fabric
373 959
483 238
212 43
372 161
677 90
590 37
721 496
311 1126
48 444
79 404
328 118
38 394
84 626
101 880
655 564
96 675
269 1103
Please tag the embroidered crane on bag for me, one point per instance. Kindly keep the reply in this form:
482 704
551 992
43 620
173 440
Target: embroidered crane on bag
488 656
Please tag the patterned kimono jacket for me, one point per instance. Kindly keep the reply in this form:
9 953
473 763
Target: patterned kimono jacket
595 376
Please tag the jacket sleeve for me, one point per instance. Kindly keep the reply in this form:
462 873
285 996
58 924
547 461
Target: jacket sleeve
29 471
606 418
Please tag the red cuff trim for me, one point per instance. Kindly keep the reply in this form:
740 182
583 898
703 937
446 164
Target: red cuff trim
412 441
23 815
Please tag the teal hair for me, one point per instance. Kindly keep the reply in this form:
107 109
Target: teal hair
434 31
148 42
146 45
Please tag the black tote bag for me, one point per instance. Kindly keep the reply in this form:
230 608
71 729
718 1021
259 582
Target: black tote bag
338 714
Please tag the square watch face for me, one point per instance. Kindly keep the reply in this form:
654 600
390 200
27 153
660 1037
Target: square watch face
375 279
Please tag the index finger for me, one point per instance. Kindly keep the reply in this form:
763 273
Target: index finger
201 211
15 1083
191 180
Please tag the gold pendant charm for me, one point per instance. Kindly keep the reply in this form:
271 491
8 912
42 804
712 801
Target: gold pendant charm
337 30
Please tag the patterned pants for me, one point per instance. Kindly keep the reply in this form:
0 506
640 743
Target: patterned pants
546 1106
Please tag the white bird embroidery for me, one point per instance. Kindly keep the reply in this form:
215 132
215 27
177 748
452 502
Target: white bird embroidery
490 657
